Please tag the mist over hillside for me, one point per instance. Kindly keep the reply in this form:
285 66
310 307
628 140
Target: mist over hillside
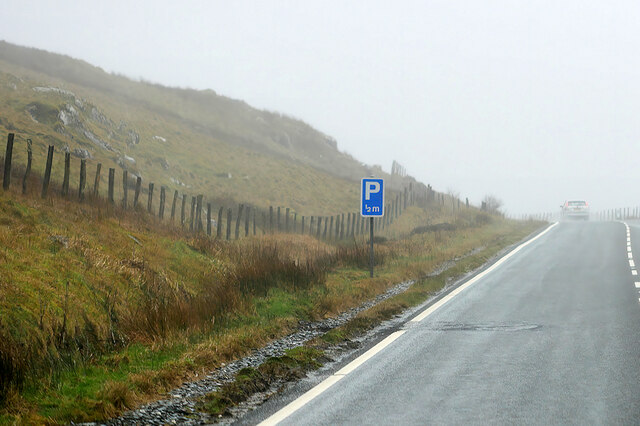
178 137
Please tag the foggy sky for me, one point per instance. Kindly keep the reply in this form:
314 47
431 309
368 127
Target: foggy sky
533 101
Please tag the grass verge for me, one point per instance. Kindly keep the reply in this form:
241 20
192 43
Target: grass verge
274 372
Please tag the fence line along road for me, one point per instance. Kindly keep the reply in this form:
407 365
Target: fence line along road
327 227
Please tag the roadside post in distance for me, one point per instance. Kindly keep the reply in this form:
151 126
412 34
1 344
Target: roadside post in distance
372 206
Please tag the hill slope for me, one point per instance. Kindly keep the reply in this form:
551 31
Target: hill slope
195 141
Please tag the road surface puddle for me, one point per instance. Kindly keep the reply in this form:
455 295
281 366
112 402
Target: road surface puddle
487 326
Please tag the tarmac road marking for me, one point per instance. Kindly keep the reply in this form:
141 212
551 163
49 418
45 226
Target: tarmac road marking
637 284
330 381
632 264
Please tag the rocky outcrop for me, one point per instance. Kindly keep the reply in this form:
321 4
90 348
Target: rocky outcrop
96 140
99 117
54 90
133 138
82 153
69 116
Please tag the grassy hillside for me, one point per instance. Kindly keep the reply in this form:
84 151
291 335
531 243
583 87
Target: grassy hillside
195 141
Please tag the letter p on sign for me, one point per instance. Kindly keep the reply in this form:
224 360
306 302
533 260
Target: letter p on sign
372 198
371 187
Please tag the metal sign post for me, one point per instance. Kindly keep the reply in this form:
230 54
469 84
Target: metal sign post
372 206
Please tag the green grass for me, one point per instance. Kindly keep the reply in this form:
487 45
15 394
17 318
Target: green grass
293 365
70 395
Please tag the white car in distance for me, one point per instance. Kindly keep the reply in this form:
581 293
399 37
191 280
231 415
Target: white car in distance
575 209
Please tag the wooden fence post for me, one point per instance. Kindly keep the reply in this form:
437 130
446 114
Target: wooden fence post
198 225
324 233
67 171
229 224
7 162
353 224
331 229
278 222
47 172
348 224
295 223
246 221
28 171
342 226
150 199
238 219
83 179
319 226
209 219
264 223
162 200
302 228
193 210
96 181
112 173
358 224
125 189
136 194
173 205
182 209
219 224
254 222
311 223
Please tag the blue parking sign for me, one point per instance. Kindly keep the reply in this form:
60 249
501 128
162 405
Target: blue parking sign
372 198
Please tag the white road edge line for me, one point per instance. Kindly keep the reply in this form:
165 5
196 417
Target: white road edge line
301 401
632 263
298 403
634 272
637 284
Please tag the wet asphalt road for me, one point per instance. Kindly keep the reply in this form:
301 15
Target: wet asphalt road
551 336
